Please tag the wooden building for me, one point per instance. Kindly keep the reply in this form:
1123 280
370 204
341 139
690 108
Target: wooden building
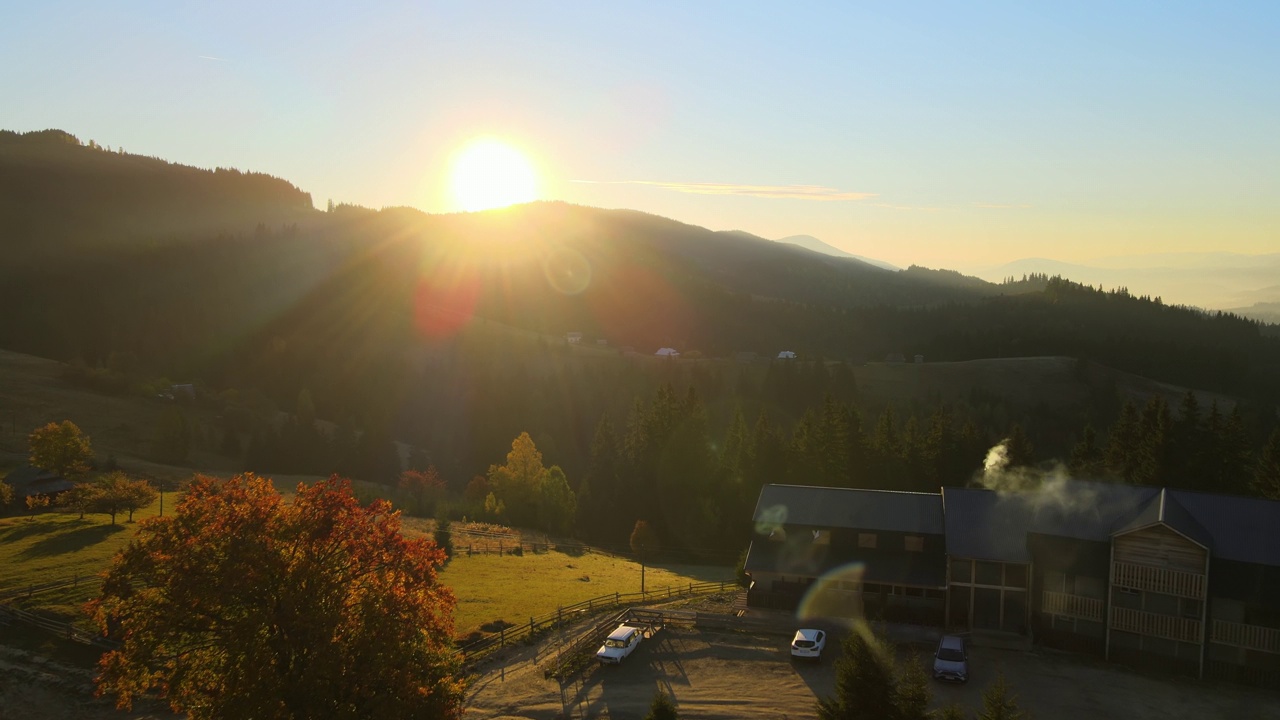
1178 581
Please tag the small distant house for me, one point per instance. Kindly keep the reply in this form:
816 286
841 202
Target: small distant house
919 359
28 480
786 355
574 338
602 341
667 352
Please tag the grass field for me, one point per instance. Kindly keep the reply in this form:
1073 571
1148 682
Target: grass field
514 588
53 546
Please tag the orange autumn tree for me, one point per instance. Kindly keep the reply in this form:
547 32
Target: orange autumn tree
243 604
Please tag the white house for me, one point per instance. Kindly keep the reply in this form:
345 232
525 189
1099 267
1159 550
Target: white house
667 352
574 338
786 355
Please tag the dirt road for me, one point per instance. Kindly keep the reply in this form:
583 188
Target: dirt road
730 675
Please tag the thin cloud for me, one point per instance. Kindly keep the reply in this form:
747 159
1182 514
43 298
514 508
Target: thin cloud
1000 206
210 57
773 192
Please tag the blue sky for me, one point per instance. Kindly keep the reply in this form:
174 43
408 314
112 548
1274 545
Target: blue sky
945 134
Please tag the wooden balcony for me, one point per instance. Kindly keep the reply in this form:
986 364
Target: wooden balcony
1076 606
1161 580
1169 627
1253 637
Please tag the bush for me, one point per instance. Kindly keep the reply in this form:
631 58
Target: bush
662 708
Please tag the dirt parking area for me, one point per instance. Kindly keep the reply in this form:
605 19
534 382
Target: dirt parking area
731 675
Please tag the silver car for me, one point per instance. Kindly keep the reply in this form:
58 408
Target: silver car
951 661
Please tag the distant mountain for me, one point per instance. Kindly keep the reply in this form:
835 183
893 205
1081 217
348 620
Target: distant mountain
810 242
1208 280
233 276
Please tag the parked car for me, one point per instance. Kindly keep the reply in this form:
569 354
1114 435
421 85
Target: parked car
951 661
808 643
619 644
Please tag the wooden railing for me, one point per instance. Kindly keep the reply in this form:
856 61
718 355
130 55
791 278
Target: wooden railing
1161 580
1253 637
1076 606
1169 627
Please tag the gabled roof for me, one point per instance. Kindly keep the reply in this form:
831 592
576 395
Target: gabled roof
1164 508
825 507
987 525
1243 529
30 480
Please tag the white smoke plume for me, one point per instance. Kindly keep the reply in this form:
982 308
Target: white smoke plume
1052 487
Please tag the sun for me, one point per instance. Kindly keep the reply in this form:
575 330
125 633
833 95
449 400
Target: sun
489 173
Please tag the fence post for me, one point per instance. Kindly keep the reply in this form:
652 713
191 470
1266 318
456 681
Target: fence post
590 601
502 637
559 616
500 547
617 598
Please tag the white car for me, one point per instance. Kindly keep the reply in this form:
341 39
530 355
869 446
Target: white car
951 661
808 644
619 644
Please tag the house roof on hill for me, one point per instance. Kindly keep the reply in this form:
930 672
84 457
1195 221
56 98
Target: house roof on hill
883 510
888 567
1163 507
30 480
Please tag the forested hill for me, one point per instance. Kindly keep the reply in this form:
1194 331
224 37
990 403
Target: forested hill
231 279
59 194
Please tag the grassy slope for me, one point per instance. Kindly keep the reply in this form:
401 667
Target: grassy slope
513 589
53 546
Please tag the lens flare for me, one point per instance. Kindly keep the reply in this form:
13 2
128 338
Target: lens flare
567 271
836 596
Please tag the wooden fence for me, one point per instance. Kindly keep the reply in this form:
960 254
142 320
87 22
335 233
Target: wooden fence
570 614
9 613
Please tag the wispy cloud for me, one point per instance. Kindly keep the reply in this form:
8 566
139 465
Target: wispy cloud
999 206
774 192
210 57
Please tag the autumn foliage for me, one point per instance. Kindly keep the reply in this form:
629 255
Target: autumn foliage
243 604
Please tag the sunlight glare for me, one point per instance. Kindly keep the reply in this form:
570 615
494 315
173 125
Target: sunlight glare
488 173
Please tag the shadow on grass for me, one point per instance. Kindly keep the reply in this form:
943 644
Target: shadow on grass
78 539
26 528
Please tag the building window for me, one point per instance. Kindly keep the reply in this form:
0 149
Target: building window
1015 575
961 571
914 543
867 540
988 573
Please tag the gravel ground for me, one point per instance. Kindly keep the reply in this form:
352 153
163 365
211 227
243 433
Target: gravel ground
732 675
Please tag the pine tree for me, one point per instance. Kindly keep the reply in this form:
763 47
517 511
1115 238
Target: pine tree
1266 472
1154 436
662 708
914 694
1123 444
1021 451
1086 456
999 702
866 685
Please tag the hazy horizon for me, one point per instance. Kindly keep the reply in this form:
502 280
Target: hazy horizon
946 137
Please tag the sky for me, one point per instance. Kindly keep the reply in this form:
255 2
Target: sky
941 134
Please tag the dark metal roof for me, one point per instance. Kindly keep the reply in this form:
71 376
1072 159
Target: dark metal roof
988 525
30 480
1164 508
1243 529
825 507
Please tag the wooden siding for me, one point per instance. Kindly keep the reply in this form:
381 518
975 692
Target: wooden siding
1155 625
1076 606
1253 637
1158 546
1152 579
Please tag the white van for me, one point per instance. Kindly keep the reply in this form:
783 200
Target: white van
619 644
